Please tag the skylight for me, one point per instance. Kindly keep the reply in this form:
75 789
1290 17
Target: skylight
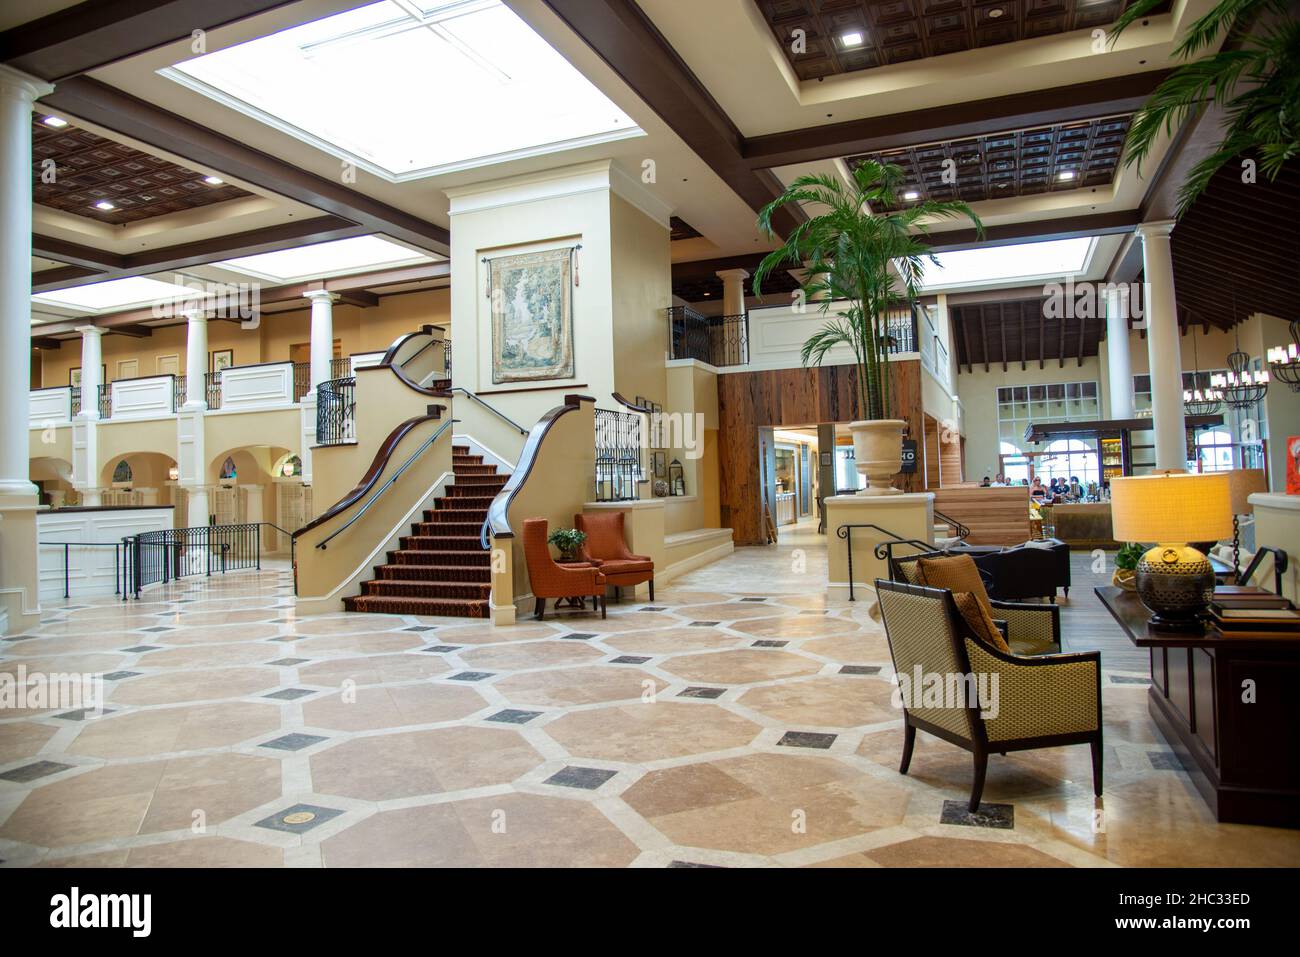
410 88
335 258
113 294
1056 258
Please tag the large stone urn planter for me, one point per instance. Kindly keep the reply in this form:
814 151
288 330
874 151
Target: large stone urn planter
878 453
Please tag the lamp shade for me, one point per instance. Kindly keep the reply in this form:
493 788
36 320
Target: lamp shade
1243 483
1171 509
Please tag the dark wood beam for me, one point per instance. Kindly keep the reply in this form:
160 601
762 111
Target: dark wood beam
1060 355
1024 344
984 340
134 330
965 341
76 254
60 277
1083 334
1041 336
94 34
1068 227
1064 104
98 103
359 297
1002 331
46 342
626 39
303 232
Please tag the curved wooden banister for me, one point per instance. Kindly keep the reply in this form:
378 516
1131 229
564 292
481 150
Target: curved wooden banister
389 362
497 522
377 466
390 354
618 397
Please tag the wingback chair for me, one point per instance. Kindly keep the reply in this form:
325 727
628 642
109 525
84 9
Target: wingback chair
606 548
1031 629
1042 701
552 580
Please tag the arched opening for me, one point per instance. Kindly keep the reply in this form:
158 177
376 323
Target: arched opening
1214 451
1068 459
122 475
1015 465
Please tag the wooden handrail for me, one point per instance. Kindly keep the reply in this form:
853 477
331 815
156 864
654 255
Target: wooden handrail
497 522
377 466
618 397
388 362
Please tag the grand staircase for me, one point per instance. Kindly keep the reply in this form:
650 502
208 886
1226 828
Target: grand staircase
441 568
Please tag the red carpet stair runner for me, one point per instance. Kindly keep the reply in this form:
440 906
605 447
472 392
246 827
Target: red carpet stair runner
441 568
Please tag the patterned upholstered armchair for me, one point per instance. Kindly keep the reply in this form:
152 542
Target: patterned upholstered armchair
561 582
1018 703
1030 629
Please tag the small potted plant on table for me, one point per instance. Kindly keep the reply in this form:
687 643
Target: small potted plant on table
568 541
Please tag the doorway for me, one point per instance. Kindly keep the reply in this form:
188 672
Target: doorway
794 481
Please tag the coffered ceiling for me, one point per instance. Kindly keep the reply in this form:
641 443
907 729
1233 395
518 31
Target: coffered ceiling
822 38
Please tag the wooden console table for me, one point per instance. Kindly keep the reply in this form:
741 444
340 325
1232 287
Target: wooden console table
1243 757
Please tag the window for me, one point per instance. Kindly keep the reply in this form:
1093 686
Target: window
1191 380
1214 450
228 470
122 474
1020 405
1068 459
1015 464
1051 259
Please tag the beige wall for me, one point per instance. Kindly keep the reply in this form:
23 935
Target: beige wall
642 288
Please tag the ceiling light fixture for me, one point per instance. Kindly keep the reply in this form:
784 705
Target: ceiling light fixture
996 12
1285 360
851 39
911 194
1065 174
213 180
1241 386
55 122
105 205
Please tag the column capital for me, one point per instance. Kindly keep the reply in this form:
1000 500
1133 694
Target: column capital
321 295
90 330
30 87
194 314
1159 227
741 274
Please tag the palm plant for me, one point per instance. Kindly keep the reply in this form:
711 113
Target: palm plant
863 254
1256 82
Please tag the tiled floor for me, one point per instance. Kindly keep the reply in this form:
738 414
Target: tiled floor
243 735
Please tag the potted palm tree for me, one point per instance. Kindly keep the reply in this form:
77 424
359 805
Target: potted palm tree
864 252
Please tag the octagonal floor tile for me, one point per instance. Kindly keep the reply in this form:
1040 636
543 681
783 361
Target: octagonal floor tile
387 642
184 633
947 852
210 656
669 641
165 730
397 706
797 626
405 764
491 634
765 803
856 648
833 701
742 666
509 830
181 686
349 624
648 732
631 621
373 670
569 686
22 739
533 654
730 611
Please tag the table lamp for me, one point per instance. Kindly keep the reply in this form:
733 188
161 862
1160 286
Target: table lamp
1173 579
1242 484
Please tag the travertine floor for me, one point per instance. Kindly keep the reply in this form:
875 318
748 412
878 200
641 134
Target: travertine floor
239 734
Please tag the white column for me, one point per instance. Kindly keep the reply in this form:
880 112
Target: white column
196 360
1163 347
322 334
197 506
733 290
1119 362
92 358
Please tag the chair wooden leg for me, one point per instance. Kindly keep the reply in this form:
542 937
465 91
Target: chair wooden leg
540 609
604 606
652 589
977 786
909 741
1096 766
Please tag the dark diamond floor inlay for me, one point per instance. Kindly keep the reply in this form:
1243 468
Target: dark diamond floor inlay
694 692
691 864
441 649
654 608
84 714
421 628
704 624
807 739
135 649
160 628
289 694
37 769
119 675
300 818
629 660
989 815
294 742
579 636
514 716
288 662
860 669
1129 680
470 675
753 599
575 777
769 643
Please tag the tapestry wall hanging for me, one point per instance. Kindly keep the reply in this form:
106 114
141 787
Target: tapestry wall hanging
531 297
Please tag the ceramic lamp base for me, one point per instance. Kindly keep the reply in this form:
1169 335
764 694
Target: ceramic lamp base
1176 582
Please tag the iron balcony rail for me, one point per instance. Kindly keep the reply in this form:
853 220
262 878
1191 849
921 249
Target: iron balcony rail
105 401
119 549
340 367
75 391
179 391
446 358
425 445
301 380
717 340
883 550
171 553
212 389
618 455
336 407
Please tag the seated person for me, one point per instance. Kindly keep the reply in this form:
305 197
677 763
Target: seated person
985 483
1036 490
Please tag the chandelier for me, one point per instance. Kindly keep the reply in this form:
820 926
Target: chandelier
1196 401
1241 388
1285 360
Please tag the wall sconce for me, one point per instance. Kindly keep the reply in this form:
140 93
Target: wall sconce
288 469
173 473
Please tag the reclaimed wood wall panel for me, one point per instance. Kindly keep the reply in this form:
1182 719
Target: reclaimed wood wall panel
786 398
995 516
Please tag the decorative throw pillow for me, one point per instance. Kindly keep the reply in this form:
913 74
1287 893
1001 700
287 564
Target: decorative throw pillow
980 621
956 573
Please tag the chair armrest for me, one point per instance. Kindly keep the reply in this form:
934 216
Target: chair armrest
1040 696
1026 621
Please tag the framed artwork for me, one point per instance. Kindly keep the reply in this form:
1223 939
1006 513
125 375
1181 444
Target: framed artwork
532 316
74 376
222 359
660 464
1293 465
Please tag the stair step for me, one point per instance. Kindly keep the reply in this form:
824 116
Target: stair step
414 589
435 556
434 607
443 516
476 481
435 573
461 502
465 471
445 543
457 529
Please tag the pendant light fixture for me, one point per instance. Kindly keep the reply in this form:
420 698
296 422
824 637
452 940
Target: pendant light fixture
1285 360
1199 401
1242 388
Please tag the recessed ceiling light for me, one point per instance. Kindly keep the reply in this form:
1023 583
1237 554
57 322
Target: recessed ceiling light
55 122
851 39
1065 174
213 180
911 194
105 205
995 13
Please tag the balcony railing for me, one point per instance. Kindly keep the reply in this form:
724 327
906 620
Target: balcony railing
446 358
212 389
180 392
301 380
336 405
76 398
340 367
105 401
717 340
618 455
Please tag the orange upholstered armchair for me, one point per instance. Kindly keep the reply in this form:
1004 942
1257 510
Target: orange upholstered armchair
606 549
551 580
